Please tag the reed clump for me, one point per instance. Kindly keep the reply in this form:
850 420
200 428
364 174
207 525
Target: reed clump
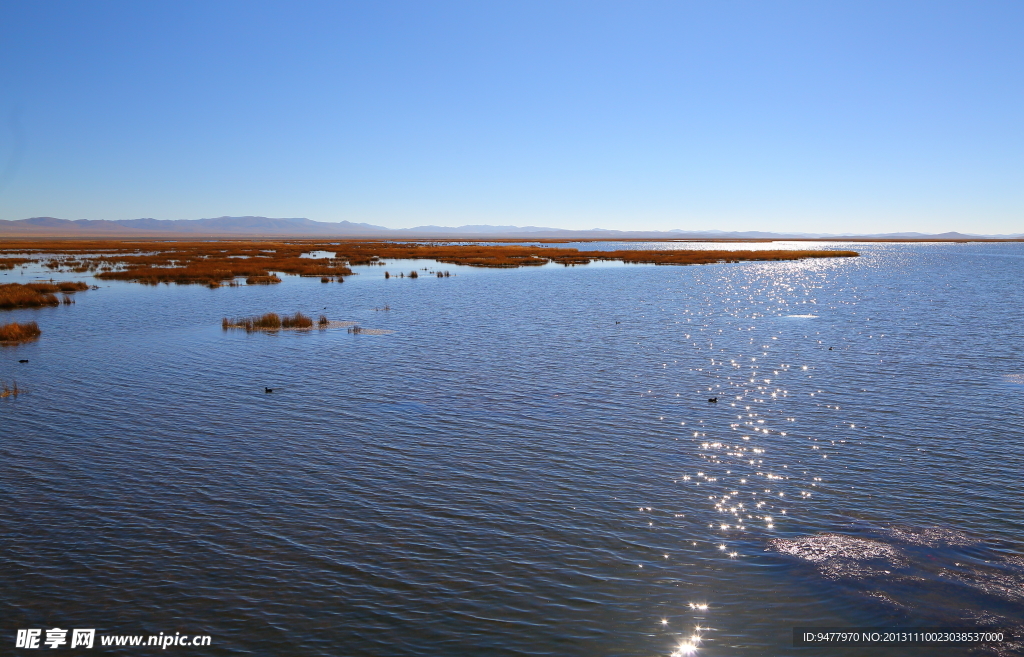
68 287
270 322
298 320
15 333
263 280
36 295
16 295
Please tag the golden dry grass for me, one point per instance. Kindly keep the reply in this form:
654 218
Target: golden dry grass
298 320
36 295
16 295
62 286
262 280
15 333
11 263
271 322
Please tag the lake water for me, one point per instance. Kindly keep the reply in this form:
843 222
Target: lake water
529 463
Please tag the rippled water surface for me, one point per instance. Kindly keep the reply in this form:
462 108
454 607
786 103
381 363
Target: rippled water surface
528 463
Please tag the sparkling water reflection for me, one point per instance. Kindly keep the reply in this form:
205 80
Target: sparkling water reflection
530 462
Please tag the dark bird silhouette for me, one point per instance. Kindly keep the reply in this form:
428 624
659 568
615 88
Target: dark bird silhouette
713 400
268 390
830 348
23 360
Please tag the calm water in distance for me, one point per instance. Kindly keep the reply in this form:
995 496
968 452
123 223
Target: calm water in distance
529 463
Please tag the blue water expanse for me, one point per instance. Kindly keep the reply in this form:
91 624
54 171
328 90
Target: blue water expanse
528 463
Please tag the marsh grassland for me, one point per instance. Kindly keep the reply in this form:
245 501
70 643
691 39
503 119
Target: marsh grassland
214 263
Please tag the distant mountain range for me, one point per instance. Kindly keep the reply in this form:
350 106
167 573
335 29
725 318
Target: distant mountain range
299 227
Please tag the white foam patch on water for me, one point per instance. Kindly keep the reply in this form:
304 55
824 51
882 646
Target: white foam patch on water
931 536
999 584
365 331
838 556
801 316
924 571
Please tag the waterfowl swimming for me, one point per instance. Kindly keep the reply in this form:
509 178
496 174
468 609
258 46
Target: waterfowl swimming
23 360
268 390
713 400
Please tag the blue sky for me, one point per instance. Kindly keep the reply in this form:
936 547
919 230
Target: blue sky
794 116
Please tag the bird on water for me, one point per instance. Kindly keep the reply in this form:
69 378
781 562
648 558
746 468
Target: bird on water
713 400
268 390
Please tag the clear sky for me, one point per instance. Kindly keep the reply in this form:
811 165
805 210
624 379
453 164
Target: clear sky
820 116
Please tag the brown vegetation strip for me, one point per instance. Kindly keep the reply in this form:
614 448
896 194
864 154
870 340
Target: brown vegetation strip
263 280
214 262
271 322
15 333
11 263
36 295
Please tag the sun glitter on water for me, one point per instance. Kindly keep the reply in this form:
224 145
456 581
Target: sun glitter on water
688 646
